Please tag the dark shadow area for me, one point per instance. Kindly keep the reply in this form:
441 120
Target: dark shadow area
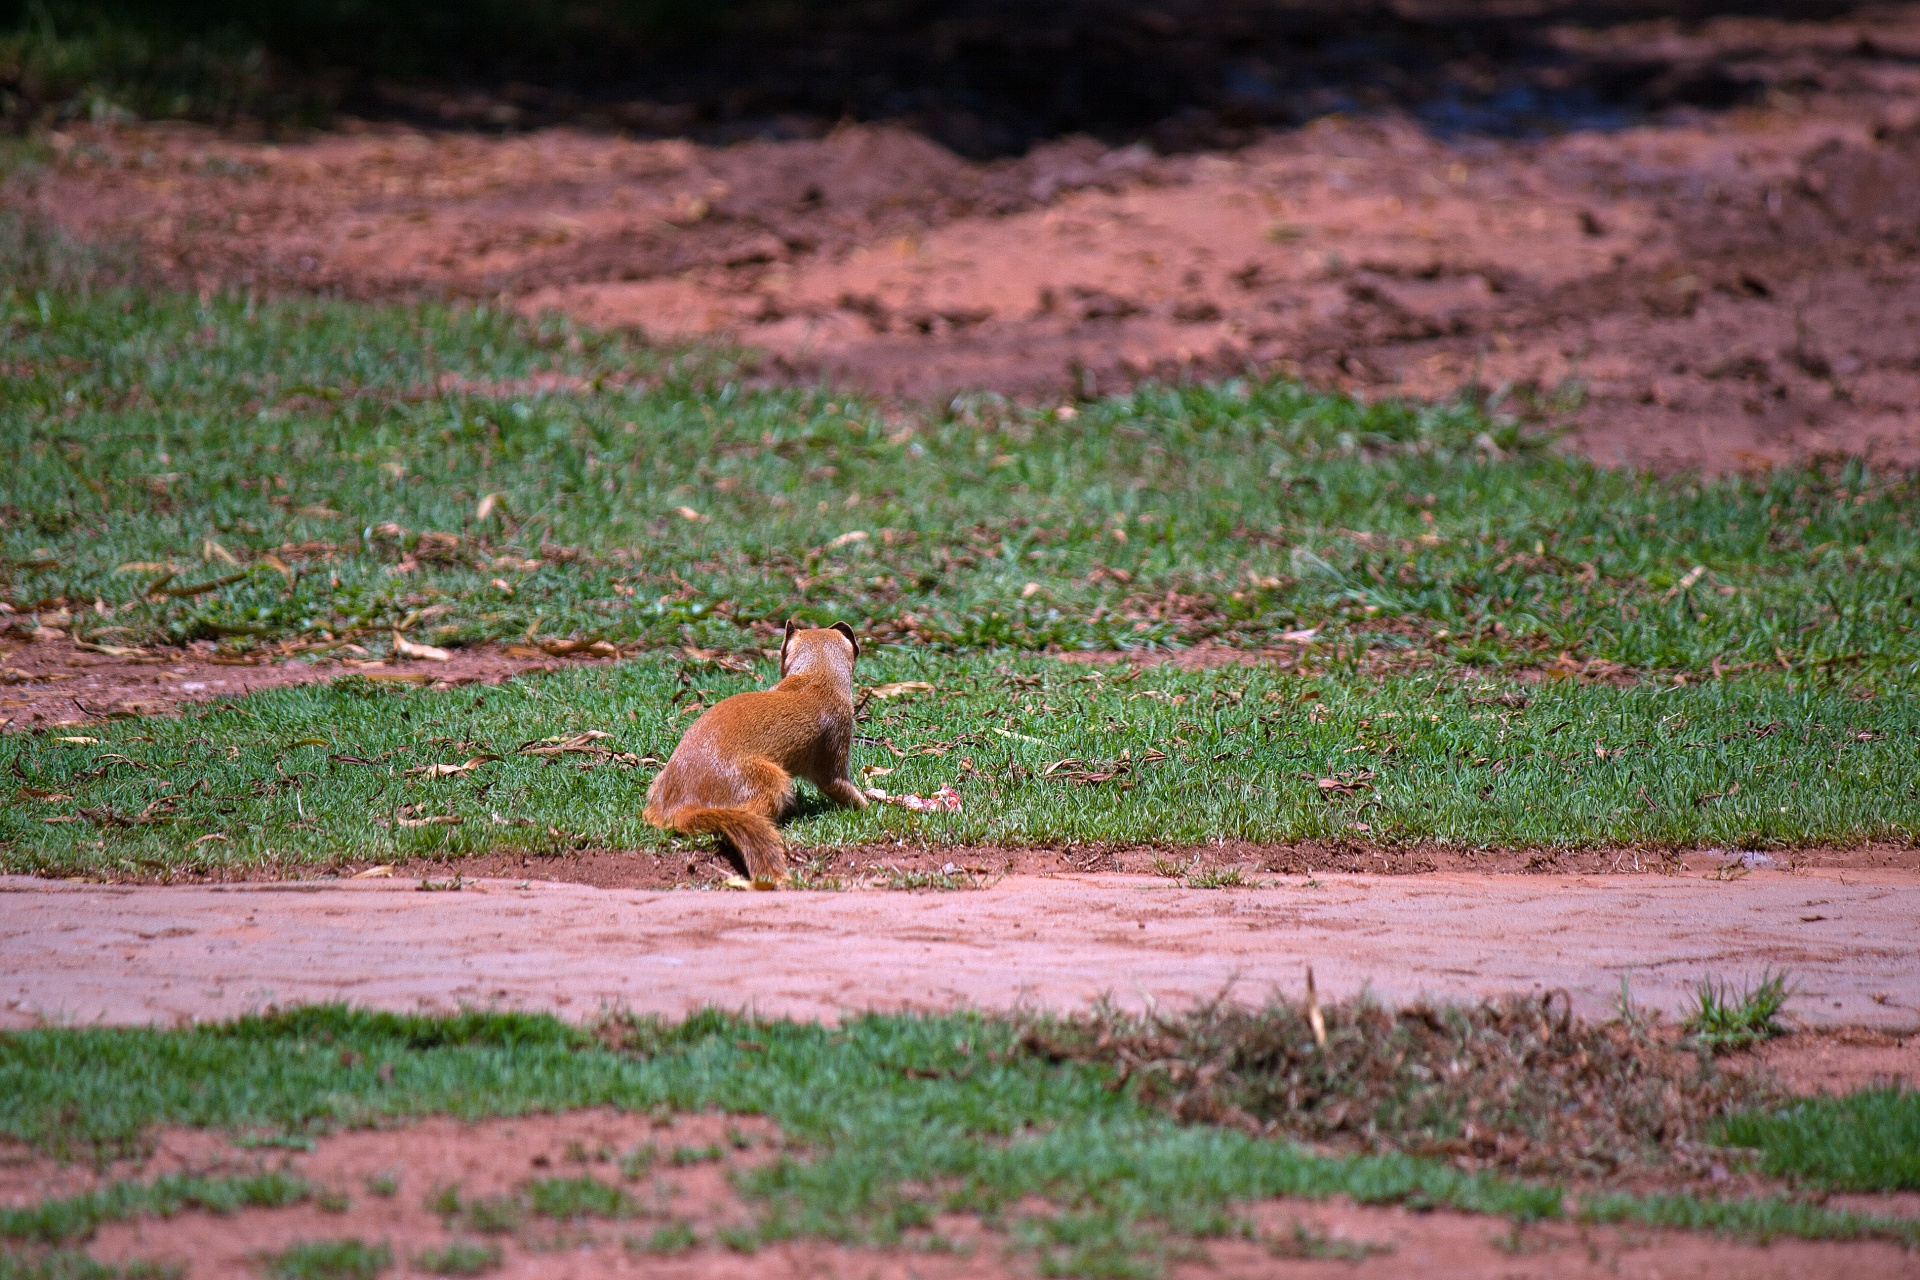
986 78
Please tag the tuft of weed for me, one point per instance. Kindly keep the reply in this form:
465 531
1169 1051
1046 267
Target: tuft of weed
1306 1241
1724 1021
672 1237
347 1259
581 1197
460 1258
485 1215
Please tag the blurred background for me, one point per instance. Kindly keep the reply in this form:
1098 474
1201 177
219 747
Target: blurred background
985 78
1683 233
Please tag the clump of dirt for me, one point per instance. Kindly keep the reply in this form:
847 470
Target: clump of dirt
1519 1085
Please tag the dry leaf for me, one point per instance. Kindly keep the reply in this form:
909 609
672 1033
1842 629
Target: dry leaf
437 820
568 743
424 652
491 503
688 513
210 839
84 742
846 539
573 648
726 661
111 650
451 770
898 688
382 872
211 550
1306 636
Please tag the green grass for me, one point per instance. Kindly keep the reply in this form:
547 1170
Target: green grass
347 1259
888 1122
146 425
1865 1141
579 1197
672 1237
460 1258
1723 1020
71 1219
277 478
315 777
72 1264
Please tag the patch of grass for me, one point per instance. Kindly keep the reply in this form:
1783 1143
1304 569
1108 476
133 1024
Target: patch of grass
347 1259
383 1185
1722 1020
1219 878
1759 1218
75 1218
681 1157
581 1197
892 1120
1305 1241
485 1215
147 426
71 1264
278 480
677 1236
635 1163
321 775
1865 1141
460 1258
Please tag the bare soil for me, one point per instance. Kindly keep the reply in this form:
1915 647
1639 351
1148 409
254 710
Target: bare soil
77 953
497 1157
1719 289
54 682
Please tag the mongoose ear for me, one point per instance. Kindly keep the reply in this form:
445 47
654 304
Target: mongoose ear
847 631
786 641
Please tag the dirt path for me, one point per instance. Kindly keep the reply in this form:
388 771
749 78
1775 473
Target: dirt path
76 953
1722 289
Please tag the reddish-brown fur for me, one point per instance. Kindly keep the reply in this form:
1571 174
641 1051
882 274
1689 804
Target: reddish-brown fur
732 774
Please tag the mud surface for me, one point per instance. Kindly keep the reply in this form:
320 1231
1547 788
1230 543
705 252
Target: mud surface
499 1157
75 953
1719 288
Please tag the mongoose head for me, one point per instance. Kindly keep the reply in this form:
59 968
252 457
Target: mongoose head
818 648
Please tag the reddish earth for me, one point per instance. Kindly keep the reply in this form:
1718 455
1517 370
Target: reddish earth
496 1157
81 953
1720 290
52 682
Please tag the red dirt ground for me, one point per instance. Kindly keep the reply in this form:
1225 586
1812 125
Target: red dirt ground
53 682
80 953
1725 290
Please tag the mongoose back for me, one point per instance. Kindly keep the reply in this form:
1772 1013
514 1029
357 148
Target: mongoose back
732 774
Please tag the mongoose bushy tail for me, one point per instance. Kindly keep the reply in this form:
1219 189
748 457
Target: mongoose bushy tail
743 833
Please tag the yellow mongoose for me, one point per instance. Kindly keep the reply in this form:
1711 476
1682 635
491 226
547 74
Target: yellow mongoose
732 774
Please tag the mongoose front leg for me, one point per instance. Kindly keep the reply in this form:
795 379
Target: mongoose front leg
842 791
